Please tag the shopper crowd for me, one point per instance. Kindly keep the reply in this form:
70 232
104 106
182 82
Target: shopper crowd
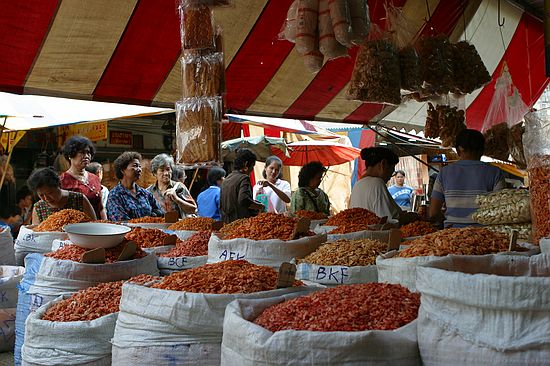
229 197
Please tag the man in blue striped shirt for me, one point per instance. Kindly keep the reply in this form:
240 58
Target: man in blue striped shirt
458 184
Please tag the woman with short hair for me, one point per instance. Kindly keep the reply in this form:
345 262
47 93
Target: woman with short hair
170 195
309 196
47 185
79 151
276 189
127 200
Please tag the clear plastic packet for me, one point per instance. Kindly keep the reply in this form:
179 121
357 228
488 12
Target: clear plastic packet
203 73
328 45
288 30
306 26
506 105
376 75
445 122
314 60
341 21
198 131
360 20
411 72
537 152
469 71
197 27
436 60
515 144
403 33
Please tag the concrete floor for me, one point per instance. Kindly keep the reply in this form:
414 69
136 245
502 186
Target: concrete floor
6 359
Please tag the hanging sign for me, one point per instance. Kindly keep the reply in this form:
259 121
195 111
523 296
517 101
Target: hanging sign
95 131
120 137
10 139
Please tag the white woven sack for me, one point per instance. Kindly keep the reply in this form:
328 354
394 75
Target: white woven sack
47 278
182 234
245 343
381 235
262 252
485 310
67 343
162 321
10 276
29 241
336 275
402 271
7 251
59 243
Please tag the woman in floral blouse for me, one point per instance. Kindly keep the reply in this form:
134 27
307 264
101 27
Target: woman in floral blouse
127 200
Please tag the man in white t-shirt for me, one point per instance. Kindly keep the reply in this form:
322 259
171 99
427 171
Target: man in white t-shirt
371 192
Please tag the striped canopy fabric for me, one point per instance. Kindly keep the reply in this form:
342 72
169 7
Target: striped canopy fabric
128 51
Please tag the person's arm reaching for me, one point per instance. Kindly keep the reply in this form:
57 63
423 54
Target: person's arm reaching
245 196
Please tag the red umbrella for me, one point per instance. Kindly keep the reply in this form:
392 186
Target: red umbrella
327 152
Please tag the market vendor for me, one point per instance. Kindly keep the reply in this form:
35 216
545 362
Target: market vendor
276 189
458 184
400 192
170 195
309 196
47 185
236 200
371 192
79 151
127 200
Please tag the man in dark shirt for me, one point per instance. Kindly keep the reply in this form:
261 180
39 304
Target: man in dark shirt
236 200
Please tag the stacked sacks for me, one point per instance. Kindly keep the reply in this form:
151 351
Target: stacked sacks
326 327
401 267
47 278
179 320
76 329
486 310
10 276
504 211
342 262
267 239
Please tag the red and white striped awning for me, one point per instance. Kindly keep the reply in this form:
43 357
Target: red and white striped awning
127 51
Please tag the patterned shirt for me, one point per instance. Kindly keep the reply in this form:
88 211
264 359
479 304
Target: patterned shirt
306 199
124 206
166 203
92 189
458 185
74 201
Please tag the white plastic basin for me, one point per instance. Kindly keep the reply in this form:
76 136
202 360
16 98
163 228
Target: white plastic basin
93 235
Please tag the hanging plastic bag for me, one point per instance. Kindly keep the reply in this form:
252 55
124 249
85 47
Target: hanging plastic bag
537 152
288 30
376 76
198 131
328 45
436 58
306 26
403 34
507 105
341 21
360 20
469 71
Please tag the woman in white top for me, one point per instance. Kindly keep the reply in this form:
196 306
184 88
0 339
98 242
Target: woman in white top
277 190
371 192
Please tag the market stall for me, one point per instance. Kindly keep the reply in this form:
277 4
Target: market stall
253 291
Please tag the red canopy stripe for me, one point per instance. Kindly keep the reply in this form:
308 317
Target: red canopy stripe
144 56
259 57
24 26
445 17
525 57
334 75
